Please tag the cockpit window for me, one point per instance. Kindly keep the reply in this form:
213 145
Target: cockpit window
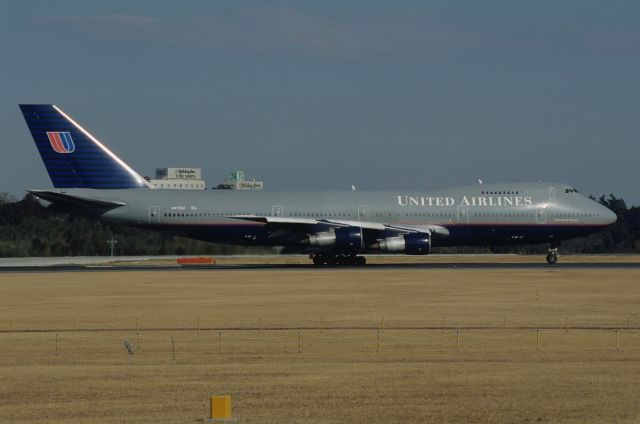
570 190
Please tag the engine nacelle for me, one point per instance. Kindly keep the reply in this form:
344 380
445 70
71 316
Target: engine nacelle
348 238
417 244
327 238
409 244
392 244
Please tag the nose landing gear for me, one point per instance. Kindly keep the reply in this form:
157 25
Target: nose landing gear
552 256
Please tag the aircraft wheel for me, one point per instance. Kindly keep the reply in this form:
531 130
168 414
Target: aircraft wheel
552 258
321 260
329 261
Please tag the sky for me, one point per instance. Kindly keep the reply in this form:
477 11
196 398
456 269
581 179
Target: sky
322 95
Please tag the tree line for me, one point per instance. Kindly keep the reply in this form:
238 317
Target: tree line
29 229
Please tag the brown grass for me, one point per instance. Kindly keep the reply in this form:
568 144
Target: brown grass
421 374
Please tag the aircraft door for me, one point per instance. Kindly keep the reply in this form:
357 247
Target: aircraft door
363 213
154 214
552 193
541 216
277 210
463 214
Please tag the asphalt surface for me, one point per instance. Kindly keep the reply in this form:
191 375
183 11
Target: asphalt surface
310 267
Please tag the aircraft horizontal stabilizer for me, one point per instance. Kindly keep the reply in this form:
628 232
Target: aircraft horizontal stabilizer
75 201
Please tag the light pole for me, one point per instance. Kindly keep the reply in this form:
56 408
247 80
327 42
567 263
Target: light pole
112 243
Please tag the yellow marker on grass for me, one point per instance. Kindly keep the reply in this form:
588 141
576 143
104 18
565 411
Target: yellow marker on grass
221 407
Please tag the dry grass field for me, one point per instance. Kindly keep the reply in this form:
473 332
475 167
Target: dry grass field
316 346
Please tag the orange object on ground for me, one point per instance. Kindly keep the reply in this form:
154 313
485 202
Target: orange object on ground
201 260
221 407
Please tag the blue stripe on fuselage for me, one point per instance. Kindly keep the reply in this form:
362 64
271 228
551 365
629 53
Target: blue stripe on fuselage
460 234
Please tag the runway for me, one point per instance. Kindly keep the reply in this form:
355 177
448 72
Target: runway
311 267
302 263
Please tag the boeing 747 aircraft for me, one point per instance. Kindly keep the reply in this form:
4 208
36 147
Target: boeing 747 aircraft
334 227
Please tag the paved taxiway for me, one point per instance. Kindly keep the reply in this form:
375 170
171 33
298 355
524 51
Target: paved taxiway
302 263
310 267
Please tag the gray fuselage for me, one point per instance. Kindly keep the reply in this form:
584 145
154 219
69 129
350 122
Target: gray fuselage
483 214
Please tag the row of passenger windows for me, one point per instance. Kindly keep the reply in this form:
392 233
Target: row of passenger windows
319 215
168 185
475 215
222 214
566 190
503 215
431 215
174 215
423 214
500 192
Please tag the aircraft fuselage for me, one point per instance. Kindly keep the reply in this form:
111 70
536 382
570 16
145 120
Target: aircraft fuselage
483 214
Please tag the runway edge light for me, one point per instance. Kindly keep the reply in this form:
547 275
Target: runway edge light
220 407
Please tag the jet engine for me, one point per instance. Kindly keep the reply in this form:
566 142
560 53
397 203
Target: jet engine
409 244
348 238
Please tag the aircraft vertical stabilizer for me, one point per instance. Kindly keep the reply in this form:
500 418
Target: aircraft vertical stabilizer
73 157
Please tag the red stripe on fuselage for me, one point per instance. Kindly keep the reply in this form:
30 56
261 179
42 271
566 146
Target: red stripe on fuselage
212 224
441 224
503 224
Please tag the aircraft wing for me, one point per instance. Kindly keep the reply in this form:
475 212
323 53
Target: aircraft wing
434 230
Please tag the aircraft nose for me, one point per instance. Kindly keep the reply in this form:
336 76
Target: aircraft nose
608 216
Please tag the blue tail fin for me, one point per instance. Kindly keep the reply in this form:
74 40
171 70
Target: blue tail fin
72 156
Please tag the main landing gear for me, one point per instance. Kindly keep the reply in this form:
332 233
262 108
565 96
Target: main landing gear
552 256
337 260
